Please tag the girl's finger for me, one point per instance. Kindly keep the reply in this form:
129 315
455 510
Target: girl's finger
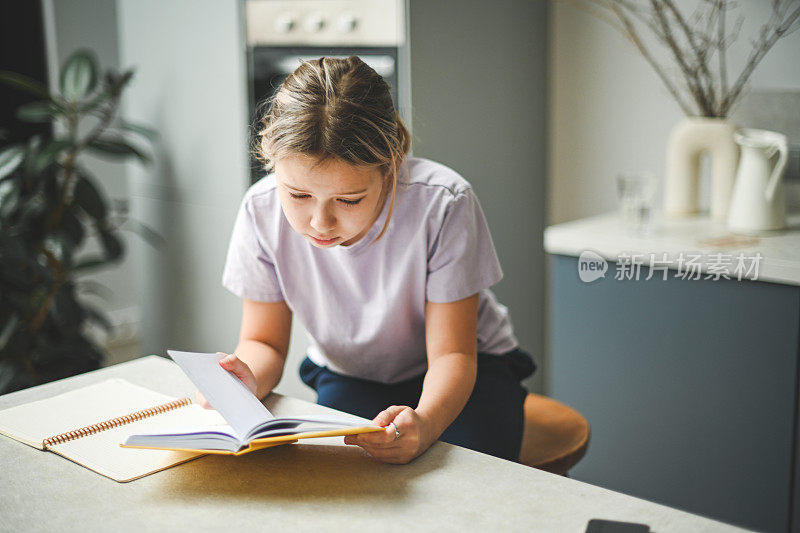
379 437
379 452
233 364
360 440
388 455
388 415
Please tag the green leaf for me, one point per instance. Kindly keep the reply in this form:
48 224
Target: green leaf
32 149
9 198
117 148
50 154
32 209
89 198
10 158
97 289
34 143
24 83
89 264
151 236
66 309
56 245
38 112
72 229
112 245
93 103
98 317
144 131
116 81
79 76
8 330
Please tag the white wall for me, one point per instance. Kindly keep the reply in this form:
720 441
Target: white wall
609 111
190 85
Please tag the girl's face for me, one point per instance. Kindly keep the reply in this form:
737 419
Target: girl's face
329 204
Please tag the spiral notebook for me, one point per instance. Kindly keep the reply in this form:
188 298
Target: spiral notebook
87 425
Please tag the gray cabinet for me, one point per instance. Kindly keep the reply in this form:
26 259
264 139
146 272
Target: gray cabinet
690 387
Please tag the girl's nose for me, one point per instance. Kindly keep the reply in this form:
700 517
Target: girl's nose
322 220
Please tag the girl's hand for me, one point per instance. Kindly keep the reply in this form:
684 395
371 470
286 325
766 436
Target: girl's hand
239 368
415 436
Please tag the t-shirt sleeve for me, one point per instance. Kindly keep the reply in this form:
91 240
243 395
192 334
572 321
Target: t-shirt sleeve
249 269
462 260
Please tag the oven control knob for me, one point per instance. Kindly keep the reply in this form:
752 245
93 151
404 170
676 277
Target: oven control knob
284 24
314 23
347 22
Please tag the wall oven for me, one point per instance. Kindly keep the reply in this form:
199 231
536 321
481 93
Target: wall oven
282 33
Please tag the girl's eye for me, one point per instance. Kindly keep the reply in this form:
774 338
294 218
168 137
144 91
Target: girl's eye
350 202
344 201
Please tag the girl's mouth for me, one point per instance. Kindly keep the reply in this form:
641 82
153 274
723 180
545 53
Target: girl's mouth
323 242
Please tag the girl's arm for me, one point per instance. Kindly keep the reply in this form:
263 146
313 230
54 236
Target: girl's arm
263 344
451 337
451 341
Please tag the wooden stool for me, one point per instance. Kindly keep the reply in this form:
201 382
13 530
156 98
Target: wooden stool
555 437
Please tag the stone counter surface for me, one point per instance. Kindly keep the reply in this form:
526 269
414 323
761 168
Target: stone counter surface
607 236
320 485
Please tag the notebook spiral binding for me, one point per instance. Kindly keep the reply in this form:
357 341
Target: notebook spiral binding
115 422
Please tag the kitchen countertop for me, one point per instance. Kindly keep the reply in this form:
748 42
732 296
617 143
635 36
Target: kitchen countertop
308 486
708 241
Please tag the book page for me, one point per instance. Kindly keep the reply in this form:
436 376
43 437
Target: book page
33 422
224 391
102 453
305 424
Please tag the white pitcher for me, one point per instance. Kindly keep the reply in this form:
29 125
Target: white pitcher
757 203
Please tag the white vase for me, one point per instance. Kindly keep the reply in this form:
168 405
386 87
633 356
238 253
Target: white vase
689 140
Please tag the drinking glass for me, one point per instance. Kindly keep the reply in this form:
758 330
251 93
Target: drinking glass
636 191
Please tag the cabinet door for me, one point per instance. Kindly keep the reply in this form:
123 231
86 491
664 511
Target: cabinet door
689 387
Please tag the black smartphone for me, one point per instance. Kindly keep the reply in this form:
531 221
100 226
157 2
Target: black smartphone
597 525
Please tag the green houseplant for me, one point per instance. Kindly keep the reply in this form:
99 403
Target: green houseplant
50 208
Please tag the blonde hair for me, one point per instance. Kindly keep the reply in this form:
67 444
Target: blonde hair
338 108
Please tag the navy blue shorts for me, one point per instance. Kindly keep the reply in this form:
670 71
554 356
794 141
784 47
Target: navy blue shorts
491 422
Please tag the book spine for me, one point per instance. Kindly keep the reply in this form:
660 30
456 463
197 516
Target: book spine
115 422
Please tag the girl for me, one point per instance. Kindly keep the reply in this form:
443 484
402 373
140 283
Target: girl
386 260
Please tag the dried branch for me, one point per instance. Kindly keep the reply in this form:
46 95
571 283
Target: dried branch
700 54
631 33
763 45
692 42
722 49
689 74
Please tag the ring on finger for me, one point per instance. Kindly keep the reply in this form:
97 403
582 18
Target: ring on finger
396 431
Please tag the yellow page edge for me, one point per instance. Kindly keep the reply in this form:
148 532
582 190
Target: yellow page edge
268 442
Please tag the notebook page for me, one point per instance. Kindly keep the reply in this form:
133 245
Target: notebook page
102 453
224 391
33 422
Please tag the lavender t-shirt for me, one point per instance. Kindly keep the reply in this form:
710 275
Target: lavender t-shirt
364 304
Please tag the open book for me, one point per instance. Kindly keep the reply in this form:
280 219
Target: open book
250 426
